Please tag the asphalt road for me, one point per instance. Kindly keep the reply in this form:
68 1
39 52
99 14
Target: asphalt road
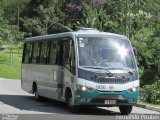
19 105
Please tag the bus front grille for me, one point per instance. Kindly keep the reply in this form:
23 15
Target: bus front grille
111 80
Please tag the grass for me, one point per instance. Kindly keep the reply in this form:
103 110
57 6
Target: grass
7 69
148 104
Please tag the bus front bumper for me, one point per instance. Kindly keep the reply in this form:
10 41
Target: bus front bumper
98 98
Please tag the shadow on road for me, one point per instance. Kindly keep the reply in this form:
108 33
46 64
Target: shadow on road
28 103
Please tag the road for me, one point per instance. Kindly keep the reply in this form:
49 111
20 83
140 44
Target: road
15 101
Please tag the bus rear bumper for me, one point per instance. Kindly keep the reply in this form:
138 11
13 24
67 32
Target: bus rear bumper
98 98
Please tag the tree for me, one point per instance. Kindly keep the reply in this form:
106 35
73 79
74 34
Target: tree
10 34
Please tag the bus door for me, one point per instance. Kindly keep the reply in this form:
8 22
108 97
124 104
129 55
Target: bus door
64 47
67 65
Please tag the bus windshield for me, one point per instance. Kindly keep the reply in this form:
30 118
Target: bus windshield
107 52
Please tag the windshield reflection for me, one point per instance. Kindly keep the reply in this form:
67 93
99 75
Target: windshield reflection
105 52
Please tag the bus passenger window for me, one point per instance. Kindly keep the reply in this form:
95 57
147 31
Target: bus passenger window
53 53
69 56
66 50
48 52
73 62
35 52
43 53
27 52
24 54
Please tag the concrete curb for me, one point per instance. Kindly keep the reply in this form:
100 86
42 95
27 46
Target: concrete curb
148 107
8 79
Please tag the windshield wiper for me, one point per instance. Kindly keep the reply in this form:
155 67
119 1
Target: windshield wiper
100 68
130 72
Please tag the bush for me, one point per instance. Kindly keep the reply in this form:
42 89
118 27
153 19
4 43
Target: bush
151 93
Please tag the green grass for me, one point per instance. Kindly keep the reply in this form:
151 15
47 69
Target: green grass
148 104
8 69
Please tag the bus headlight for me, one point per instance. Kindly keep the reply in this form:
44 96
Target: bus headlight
84 88
133 89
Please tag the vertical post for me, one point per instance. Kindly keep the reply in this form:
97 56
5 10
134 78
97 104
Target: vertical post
11 55
18 28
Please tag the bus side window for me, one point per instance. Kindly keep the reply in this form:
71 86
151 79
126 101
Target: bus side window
27 52
38 55
66 58
53 52
24 53
73 62
43 53
69 53
35 52
48 52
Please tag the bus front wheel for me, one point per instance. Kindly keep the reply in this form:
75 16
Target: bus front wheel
125 110
71 106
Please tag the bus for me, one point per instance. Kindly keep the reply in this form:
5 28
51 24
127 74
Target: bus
86 67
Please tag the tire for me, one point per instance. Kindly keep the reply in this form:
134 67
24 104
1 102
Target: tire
72 108
125 110
36 95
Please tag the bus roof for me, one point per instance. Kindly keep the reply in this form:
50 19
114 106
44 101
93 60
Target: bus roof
85 32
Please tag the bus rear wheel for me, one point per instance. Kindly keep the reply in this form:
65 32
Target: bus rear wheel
125 110
36 95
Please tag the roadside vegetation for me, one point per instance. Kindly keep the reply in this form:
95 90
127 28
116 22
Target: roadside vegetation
8 69
139 20
149 104
151 93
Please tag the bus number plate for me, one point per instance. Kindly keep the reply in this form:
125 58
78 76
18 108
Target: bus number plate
100 87
109 102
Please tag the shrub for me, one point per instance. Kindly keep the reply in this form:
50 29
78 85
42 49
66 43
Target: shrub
151 93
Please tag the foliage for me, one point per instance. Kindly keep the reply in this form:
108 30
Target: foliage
151 93
6 69
9 34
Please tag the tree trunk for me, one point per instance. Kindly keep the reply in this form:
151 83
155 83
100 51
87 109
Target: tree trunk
126 19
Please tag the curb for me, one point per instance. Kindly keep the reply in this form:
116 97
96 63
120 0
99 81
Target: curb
8 79
149 107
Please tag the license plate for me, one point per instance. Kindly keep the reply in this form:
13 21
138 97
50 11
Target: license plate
109 102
